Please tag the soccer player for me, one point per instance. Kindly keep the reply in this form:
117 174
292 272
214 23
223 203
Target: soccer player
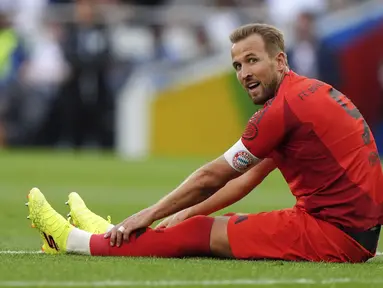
307 129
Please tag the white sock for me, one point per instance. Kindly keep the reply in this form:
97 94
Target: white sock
78 242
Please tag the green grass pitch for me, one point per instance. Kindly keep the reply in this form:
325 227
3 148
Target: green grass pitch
117 188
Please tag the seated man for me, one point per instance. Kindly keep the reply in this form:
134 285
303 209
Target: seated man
311 132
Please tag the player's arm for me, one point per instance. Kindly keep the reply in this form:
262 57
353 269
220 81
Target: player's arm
235 190
259 138
232 192
196 188
199 186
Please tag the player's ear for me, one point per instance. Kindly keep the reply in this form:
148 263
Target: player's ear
281 59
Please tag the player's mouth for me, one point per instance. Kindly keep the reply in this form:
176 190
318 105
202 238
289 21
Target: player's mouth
252 86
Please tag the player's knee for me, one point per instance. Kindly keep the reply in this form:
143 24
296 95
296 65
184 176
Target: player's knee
219 241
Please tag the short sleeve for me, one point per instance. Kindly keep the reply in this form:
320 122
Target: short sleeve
265 130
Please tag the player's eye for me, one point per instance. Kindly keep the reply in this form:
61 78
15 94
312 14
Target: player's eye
237 66
253 60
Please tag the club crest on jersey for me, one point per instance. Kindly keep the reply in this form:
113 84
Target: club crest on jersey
242 160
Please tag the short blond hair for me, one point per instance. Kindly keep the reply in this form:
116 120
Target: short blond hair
272 36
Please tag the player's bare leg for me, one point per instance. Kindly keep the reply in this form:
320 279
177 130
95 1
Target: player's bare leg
219 241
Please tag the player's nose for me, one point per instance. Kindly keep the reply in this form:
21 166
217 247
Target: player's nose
246 74
247 78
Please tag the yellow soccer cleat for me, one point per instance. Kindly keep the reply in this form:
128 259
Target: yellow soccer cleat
84 219
54 229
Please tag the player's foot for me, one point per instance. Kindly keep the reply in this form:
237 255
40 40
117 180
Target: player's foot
54 228
84 219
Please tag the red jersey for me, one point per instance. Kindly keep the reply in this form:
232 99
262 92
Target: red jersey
325 150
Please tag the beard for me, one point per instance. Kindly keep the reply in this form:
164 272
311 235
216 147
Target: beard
269 91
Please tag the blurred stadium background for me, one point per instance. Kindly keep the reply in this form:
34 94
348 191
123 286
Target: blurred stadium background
117 81
153 77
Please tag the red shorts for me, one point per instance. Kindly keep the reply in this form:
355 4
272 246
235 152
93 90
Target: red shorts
291 235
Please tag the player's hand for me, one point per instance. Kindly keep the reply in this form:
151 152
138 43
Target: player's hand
122 231
174 219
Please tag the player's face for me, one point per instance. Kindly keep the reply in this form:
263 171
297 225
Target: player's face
258 73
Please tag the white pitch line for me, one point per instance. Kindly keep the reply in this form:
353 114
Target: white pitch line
19 252
40 252
181 283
